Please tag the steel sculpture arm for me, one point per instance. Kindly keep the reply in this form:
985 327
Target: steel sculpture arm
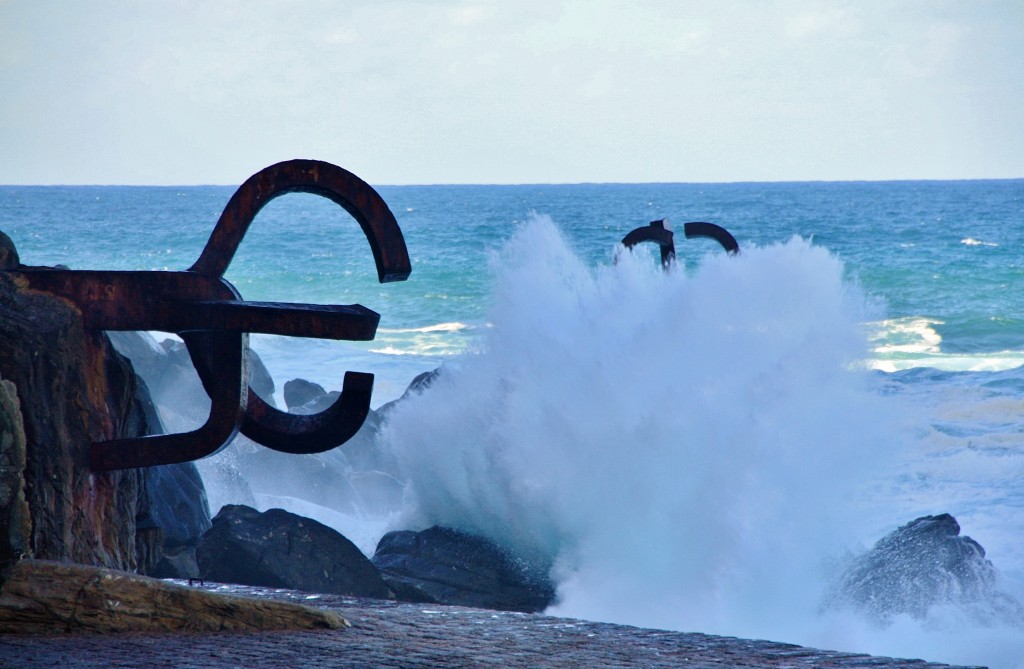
210 315
712 231
658 233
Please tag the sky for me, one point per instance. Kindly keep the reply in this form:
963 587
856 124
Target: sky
183 92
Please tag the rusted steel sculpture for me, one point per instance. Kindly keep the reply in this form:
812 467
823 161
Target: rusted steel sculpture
658 233
214 321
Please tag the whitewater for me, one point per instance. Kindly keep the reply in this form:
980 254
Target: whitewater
686 450
696 449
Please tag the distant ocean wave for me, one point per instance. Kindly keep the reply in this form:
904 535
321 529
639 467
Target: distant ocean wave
914 341
438 327
417 351
971 241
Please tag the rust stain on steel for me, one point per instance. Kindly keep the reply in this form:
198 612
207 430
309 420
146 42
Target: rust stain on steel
214 321
658 233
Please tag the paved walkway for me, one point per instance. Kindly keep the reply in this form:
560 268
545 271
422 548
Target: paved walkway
410 636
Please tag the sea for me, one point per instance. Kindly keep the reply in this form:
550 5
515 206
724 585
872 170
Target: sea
698 447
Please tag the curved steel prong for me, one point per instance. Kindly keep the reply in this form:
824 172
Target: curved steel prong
356 196
712 231
227 406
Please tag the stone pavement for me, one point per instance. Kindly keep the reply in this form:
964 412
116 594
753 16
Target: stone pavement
410 636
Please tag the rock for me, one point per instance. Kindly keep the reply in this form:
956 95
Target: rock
405 591
46 597
149 545
178 504
8 254
279 549
300 392
180 562
451 567
73 389
921 565
416 386
15 518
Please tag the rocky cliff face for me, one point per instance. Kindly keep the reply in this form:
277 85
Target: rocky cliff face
15 519
72 388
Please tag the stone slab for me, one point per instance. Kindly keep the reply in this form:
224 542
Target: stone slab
39 597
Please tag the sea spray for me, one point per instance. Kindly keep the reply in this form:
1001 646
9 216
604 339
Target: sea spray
680 447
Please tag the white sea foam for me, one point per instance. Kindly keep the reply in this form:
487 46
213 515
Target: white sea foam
914 335
971 241
420 349
954 362
912 342
686 450
437 327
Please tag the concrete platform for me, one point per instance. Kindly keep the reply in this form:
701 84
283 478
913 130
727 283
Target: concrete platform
410 636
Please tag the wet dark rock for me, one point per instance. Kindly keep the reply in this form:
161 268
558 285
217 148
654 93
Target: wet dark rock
451 567
416 386
300 392
921 565
178 504
279 549
8 253
16 523
149 544
178 509
180 562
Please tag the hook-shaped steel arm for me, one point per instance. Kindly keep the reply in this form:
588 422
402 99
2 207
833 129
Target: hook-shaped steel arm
210 315
320 178
712 231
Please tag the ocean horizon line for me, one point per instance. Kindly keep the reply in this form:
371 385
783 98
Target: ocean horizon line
741 182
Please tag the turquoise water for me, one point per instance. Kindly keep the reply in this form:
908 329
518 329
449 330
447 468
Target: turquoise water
686 437
944 257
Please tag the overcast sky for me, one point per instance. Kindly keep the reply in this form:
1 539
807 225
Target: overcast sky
509 91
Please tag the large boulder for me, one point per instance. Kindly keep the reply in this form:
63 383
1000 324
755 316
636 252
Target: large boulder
303 397
921 565
72 389
177 503
417 386
279 549
451 567
178 507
